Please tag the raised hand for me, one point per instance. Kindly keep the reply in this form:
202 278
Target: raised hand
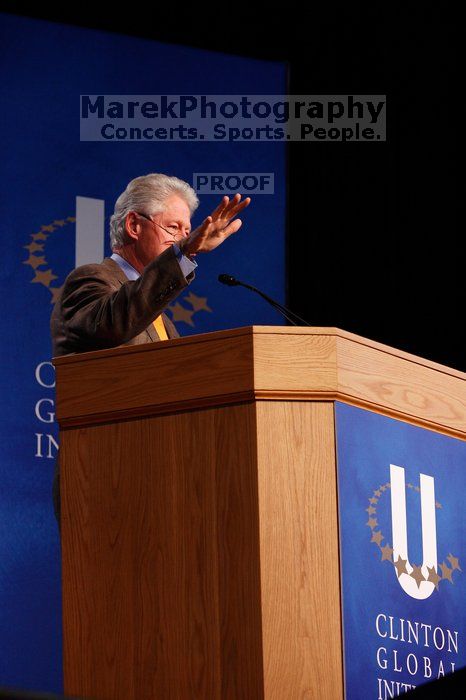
217 227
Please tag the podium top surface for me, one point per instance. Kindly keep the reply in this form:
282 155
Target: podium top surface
260 363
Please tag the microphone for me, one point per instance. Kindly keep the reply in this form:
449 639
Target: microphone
233 282
228 279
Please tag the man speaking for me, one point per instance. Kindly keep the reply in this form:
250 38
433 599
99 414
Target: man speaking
121 300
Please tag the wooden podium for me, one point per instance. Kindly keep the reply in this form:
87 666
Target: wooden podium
199 507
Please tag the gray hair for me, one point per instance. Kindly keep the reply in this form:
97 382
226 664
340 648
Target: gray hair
148 194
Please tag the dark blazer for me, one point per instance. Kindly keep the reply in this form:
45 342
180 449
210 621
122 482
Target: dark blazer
100 308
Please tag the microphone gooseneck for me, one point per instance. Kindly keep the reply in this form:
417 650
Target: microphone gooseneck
231 281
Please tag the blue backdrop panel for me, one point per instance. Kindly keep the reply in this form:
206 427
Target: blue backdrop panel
44 68
393 640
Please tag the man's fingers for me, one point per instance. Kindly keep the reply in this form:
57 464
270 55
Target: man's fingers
232 227
228 208
231 204
205 224
201 229
236 208
218 211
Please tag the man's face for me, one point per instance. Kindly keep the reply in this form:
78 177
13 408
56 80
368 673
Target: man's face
153 239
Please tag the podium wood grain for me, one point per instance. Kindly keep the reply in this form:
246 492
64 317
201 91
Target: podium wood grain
301 624
162 563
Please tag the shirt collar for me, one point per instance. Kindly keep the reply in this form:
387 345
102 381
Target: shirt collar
128 269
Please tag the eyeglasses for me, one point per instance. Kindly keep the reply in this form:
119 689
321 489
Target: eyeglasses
176 232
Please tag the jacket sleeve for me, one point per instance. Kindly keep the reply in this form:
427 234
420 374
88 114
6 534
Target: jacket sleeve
97 314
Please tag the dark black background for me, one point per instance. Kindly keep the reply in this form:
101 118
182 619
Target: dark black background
372 240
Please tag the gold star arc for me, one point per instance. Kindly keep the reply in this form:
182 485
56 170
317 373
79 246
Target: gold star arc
400 565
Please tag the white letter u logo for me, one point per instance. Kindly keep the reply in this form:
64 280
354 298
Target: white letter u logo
414 587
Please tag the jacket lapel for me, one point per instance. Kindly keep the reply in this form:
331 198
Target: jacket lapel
152 333
120 276
170 327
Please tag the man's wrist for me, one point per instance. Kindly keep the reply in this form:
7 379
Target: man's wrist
186 263
183 246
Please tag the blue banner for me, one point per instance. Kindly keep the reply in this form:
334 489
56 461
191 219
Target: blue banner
402 536
57 196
